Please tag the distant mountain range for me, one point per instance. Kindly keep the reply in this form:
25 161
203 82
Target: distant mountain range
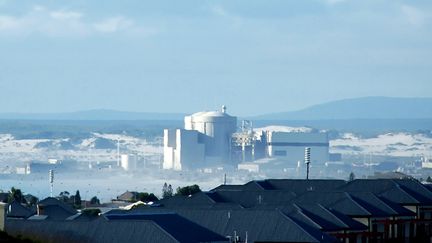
358 108
94 115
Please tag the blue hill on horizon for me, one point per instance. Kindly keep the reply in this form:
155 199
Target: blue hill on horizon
355 108
360 108
98 114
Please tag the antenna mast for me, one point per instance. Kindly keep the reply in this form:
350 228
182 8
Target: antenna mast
51 180
307 161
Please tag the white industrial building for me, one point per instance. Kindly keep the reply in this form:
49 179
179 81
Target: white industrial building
204 141
290 145
128 162
211 139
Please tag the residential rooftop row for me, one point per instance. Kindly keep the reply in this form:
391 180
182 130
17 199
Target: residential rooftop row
273 210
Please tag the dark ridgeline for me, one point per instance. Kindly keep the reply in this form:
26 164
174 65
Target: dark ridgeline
273 210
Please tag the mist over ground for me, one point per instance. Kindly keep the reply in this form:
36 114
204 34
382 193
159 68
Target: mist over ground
88 154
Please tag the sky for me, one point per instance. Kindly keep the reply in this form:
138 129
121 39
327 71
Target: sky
253 56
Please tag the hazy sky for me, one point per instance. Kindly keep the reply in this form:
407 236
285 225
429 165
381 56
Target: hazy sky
185 56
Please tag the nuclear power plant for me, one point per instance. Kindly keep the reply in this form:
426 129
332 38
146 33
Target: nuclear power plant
213 138
204 141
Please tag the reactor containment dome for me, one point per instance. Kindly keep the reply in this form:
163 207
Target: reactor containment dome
205 140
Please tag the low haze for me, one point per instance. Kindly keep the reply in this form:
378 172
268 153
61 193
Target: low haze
254 56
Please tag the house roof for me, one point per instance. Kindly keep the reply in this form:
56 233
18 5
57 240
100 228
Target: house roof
295 213
259 225
297 186
50 201
417 190
373 204
323 217
4 197
269 210
55 209
428 186
401 191
300 186
249 186
339 201
376 186
312 230
331 220
401 210
127 196
99 231
353 225
399 196
56 212
17 210
182 229
199 199
249 199
228 188
230 199
116 228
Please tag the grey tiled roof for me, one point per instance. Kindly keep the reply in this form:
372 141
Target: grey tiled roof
373 204
98 231
17 210
339 201
299 186
274 210
323 217
401 191
416 190
260 225
182 229
119 228
50 201
248 199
